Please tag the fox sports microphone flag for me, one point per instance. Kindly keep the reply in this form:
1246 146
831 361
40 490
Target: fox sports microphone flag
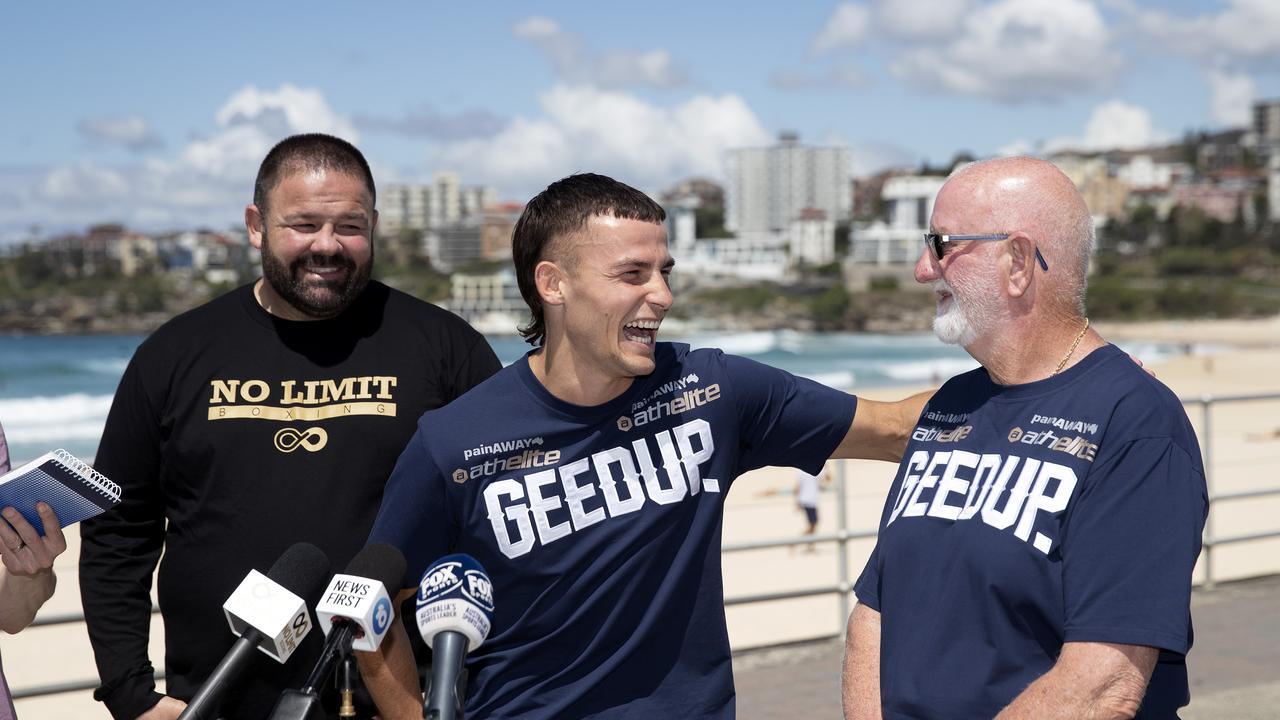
455 595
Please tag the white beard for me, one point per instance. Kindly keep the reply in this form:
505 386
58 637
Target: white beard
969 313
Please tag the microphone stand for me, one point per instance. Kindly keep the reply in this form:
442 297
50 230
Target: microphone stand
304 704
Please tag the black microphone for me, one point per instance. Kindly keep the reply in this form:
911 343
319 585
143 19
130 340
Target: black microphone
455 613
355 612
269 613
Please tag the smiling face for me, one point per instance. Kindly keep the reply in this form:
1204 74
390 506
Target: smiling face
966 281
316 242
615 294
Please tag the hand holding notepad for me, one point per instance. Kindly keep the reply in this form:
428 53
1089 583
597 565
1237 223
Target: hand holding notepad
74 490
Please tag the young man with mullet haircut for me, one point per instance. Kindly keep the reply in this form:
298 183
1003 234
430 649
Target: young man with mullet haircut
606 561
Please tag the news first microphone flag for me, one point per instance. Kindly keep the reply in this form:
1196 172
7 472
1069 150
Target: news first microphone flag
66 483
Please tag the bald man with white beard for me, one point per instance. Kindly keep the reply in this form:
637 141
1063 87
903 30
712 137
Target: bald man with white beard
1035 551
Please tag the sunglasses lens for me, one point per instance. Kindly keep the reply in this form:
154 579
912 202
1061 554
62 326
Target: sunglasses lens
935 244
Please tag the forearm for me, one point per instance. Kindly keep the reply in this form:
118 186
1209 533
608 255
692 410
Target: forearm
391 675
115 581
21 596
881 430
1090 681
860 682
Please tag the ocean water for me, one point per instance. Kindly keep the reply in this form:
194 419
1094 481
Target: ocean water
56 391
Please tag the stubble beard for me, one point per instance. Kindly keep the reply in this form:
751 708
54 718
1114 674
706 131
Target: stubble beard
318 299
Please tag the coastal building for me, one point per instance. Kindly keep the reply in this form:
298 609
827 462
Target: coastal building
768 187
499 220
749 256
443 201
490 302
897 236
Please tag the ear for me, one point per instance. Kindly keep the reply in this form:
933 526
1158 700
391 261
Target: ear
549 279
1022 263
373 226
253 224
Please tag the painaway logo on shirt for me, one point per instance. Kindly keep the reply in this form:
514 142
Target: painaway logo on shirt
548 505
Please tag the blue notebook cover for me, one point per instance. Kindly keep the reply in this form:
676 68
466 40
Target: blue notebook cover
74 490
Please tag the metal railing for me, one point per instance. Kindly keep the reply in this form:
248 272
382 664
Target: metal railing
843 536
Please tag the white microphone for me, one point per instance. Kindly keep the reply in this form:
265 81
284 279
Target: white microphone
268 613
355 613
358 599
455 614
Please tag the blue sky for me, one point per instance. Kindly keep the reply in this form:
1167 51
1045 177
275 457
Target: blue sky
156 113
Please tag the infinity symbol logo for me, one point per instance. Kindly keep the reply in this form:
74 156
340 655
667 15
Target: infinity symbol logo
312 439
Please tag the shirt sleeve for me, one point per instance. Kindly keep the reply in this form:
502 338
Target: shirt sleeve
786 420
1130 546
867 588
119 549
414 516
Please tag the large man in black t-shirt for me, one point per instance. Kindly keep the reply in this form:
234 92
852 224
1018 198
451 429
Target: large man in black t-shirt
271 415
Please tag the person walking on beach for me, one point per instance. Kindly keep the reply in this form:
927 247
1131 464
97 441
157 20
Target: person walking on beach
27 580
808 491
1035 551
268 416
589 479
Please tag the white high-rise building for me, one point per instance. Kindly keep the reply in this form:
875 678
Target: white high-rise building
441 203
769 187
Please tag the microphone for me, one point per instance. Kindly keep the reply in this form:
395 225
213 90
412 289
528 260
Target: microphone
268 613
455 614
355 613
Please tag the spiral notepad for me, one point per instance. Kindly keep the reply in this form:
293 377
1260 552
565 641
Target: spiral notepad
74 490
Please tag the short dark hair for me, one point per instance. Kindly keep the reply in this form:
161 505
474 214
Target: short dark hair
563 209
310 151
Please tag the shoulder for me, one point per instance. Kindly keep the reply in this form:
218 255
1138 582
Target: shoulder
481 405
198 325
402 306
1142 407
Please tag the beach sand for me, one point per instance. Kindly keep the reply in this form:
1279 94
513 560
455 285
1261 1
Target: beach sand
1244 455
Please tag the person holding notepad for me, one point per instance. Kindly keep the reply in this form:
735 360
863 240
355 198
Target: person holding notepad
26 578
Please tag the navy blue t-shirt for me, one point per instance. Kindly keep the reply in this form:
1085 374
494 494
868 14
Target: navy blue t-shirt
1022 517
600 526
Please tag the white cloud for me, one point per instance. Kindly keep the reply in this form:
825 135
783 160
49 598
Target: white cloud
1113 125
132 132
921 19
1231 98
1018 50
574 62
847 27
1245 31
207 182
586 129
845 76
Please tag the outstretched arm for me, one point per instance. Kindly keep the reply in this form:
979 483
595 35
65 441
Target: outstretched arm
880 430
390 673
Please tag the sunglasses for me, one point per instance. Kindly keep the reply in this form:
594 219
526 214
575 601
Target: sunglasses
938 242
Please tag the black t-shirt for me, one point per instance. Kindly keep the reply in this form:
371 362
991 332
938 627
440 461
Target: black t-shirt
235 434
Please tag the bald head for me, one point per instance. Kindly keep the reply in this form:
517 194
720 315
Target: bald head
1033 196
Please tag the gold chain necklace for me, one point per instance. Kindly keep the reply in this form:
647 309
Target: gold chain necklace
1072 351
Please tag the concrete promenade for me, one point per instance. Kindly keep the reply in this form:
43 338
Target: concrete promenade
1234 666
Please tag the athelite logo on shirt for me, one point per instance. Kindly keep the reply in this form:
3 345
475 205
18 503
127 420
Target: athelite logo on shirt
664 468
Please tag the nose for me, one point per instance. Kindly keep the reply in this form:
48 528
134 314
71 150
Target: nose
325 241
660 292
927 267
